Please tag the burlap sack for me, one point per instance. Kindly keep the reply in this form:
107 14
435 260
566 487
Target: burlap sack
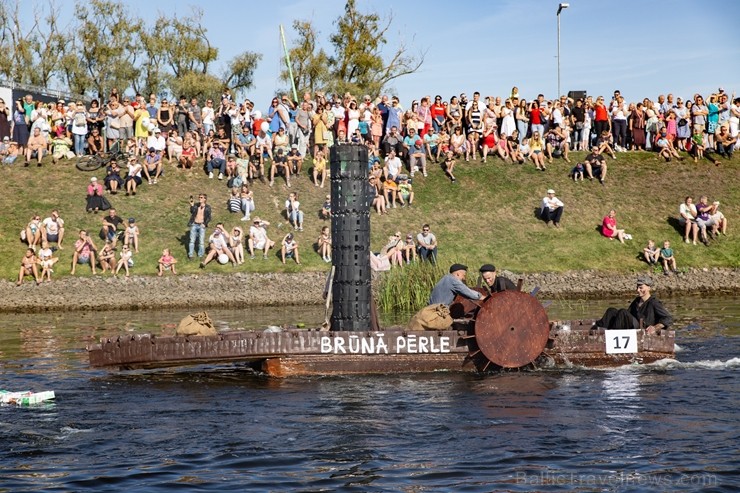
432 317
198 324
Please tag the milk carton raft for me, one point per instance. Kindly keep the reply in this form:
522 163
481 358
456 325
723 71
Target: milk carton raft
26 398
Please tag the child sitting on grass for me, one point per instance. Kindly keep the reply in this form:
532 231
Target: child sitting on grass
166 262
449 165
126 260
47 261
669 260
651 253
324 244
577 172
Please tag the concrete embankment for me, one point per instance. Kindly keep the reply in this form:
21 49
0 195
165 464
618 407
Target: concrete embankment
279 289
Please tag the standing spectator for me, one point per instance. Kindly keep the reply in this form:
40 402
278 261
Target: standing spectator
200 216
427 244
20 126
79 128
552 209
637 125
5 119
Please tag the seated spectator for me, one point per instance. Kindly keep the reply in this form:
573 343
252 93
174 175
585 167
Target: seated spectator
216 161
325 211
552 209
52 230
293 212
459 145
12 153
609 227
189 152
46 261
218 245
409 249
392 141
126 261
687 217
376 189
668 259
234 202
28 267
113 180
236 244
84 252
95 199
704 219
393 250
393 166
405 191
390 190
258 239
651 253
255 169
107 258
604 143
577 172
556 141
95 143
33 232
280 166
166 262
536 146
109 231
295 160
719 219
153 165
245 143
319 168
665 147
61 148
263 145
131 234
514 148
289 249
595 165
133 176
157 141
725 142
414 149
323 244
36 146
431 145
427 244
231 168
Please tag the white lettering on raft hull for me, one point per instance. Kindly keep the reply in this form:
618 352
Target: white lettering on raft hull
377 344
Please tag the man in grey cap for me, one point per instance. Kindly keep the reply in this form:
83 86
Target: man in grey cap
493 282
451 285
645 312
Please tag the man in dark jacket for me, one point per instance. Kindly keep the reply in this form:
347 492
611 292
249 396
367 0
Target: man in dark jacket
645 312
493 282
200 216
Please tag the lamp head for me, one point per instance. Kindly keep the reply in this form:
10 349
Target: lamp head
562 7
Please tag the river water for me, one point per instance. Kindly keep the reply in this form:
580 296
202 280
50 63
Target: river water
670 426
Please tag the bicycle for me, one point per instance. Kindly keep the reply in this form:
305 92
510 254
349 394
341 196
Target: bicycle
95 161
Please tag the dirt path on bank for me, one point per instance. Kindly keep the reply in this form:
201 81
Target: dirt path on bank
278 289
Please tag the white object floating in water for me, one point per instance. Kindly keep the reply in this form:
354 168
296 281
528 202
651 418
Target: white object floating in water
27 398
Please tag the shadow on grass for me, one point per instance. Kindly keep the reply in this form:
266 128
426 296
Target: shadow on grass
184 240
676 224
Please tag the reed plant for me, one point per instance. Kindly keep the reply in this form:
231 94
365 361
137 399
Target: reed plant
407 289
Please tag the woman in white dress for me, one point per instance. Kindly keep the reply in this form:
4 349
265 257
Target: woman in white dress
353 115
508 124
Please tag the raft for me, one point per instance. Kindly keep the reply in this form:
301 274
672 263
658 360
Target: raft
508 331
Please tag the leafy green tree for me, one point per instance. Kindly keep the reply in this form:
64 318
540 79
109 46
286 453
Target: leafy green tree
310 64
358 64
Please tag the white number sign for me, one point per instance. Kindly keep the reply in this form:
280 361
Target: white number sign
621 341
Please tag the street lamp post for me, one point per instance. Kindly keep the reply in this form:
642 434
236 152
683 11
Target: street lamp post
561 7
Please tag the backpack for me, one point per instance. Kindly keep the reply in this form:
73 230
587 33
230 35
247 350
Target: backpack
80 120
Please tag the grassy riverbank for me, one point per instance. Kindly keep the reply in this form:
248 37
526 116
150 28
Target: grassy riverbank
487 216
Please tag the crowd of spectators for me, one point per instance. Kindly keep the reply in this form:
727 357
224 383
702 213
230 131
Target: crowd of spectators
236 142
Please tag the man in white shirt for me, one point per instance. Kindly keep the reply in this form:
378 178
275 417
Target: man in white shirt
552 208
219 245
258 239
156 141
53 229
393 165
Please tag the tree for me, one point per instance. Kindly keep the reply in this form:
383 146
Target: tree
310 65
358 65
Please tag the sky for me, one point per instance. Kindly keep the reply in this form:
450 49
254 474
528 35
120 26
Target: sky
641 47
